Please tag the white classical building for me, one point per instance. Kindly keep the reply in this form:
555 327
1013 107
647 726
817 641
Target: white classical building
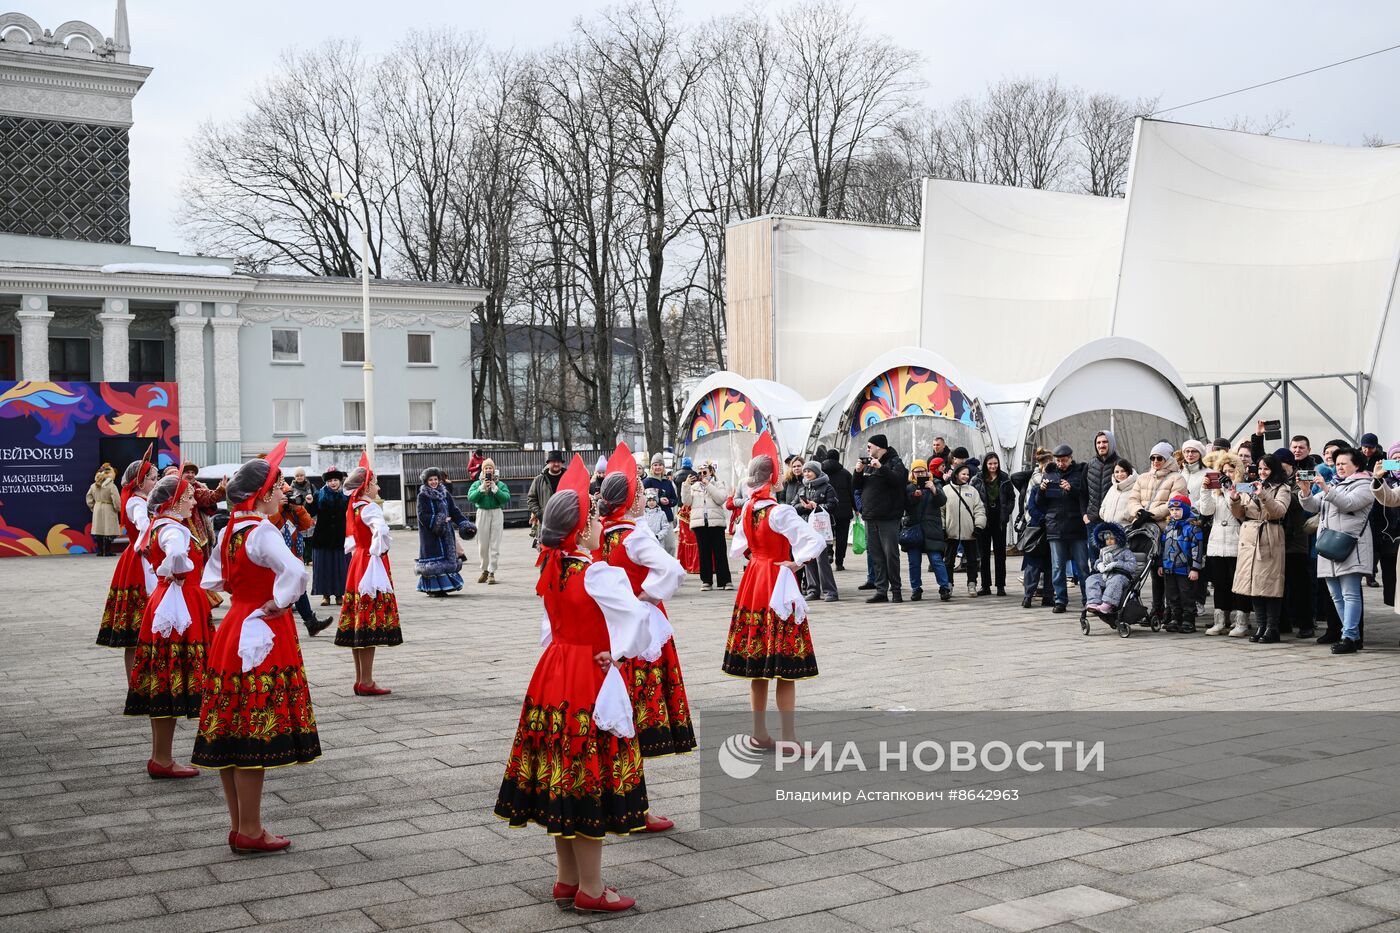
257 358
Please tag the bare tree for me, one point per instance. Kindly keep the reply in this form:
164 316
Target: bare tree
1105 132
653 67
1266 125
846 88
260 187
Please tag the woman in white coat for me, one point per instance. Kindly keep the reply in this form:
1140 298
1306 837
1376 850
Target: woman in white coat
1343 507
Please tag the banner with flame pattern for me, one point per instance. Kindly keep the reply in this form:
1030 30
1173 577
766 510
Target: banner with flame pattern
911 390
53 438
725 410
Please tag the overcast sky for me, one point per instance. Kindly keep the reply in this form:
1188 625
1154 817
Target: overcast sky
208 56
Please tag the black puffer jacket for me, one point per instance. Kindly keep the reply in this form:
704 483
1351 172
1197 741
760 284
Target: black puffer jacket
925 508
1064 511
882 488
1098 474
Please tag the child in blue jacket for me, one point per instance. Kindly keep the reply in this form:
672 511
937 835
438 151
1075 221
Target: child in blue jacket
1183 554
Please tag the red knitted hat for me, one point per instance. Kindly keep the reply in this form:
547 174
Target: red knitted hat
1180 499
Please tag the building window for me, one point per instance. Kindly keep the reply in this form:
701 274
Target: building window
352 346
70 359
420 349
286 345
286 416
354 416
422 416
147 360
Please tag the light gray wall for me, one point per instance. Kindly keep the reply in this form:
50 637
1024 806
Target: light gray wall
323 382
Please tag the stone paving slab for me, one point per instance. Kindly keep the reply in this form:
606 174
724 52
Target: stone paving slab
392 828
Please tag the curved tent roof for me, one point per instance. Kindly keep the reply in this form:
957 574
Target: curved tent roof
920 382
1118 379
727 401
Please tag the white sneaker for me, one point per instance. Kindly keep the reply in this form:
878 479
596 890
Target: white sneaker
1220 624
972 591
1241 621
704 587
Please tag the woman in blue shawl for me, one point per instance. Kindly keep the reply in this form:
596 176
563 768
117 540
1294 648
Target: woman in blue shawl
439 553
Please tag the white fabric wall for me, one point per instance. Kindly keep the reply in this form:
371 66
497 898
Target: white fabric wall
1035 269
843 294
1249 255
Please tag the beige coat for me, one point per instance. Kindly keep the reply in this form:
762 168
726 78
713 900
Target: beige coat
105 501
1153 491
962 522
1259 571
706 503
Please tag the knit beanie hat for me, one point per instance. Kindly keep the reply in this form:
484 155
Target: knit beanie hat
1195 445
1181 500
959 453
1284 455
879 440
922 465
657 458
1163 450
814 466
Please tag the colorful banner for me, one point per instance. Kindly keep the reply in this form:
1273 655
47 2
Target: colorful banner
911 390
725 410
53 438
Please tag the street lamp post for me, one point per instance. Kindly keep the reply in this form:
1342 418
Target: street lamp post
341 199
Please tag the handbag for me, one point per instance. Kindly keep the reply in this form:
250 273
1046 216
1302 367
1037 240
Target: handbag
911 538
820 522
1335 545
857 535
1029 538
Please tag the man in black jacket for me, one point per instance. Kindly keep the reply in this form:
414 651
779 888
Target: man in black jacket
1064 496
1098 473
881 478
845 504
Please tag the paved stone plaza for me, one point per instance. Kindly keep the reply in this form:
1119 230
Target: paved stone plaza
393 827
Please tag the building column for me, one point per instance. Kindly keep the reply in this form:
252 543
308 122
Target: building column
188 323
116 319
34 316
228 413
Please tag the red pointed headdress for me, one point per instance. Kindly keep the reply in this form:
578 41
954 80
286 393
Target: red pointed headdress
622 461
146 467
174 499
274 471
765 447
575 480
360 493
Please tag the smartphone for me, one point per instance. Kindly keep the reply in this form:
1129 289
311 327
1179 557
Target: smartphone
1390 465
1307 475
1273 430
1246 489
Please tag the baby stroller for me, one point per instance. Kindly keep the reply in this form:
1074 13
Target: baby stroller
1143 541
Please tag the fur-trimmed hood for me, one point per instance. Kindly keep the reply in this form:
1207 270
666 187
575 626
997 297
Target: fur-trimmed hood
1229 464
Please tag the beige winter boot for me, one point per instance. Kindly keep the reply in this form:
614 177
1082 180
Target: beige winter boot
1241 620
1220 624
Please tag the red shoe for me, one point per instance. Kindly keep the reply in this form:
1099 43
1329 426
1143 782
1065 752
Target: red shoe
659 824
245 845
172 770
600 904
564 895
231 834
371 690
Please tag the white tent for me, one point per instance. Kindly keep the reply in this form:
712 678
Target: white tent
841 291
911 395
1114 383
1250 256
1015 278
725 412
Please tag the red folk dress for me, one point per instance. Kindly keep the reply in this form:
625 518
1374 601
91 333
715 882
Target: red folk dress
687 548
369 617
768 634
132 580
257 704
575 767
654 681
167 678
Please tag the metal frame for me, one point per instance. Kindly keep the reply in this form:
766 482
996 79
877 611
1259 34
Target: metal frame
1283 387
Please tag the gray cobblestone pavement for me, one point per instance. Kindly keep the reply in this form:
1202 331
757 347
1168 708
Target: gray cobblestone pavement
393 827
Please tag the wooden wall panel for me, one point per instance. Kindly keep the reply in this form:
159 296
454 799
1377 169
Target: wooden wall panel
748 290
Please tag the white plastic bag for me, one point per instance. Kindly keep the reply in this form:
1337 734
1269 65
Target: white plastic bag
820 521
